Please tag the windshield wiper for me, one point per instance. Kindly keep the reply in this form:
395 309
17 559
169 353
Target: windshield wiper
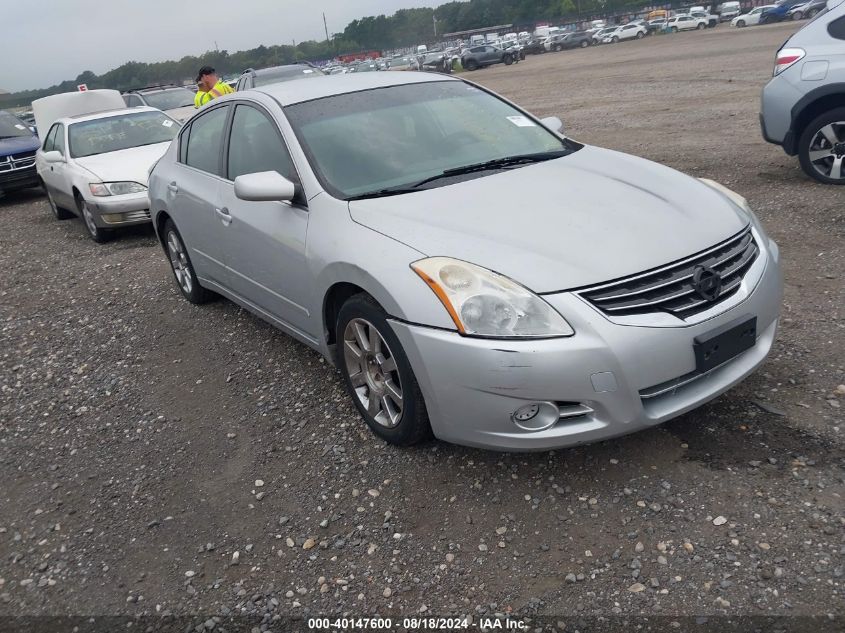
495 164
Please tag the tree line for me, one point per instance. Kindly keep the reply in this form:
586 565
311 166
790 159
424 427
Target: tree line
404 28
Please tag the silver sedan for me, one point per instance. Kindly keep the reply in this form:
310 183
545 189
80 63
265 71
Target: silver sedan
449 252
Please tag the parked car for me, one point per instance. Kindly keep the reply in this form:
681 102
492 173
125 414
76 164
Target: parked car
806 10
625 32
372 218
96 165
779 11
251 78
554 42
175 101
751 18
17 154
535 46
578 39
598 36
655 25
486 55
711 21
803 105
729 10
684 23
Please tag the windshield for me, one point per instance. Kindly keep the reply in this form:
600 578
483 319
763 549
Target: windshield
367 141
11 126
169 99
284 73
112 134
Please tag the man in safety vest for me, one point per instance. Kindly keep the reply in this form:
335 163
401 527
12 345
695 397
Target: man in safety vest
210 87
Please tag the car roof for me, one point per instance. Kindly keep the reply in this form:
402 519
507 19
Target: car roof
104 114
300 90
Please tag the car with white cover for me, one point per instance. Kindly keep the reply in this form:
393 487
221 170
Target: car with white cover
372 218
96 155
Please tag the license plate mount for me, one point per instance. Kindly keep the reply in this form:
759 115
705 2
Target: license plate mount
724 343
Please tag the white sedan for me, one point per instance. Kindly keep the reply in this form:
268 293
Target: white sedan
752 17
626 32
96 166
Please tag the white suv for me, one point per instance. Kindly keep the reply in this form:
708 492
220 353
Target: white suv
626 32
685 23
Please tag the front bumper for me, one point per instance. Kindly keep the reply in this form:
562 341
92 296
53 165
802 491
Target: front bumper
15 179
472 387
125 210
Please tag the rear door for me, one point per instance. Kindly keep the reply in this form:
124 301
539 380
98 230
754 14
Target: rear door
265 241
194 193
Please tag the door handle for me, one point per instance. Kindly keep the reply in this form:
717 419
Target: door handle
172 187
224 216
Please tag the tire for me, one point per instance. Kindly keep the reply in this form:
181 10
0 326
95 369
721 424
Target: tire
584 44
701 26
471 65
809 138
639 35
558 48
797 15
740 24
812 13
183 269
366 345
58 212
99 235
674 29
508 60
614 40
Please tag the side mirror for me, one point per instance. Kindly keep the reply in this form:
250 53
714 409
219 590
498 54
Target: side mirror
553 123
264 186
54 156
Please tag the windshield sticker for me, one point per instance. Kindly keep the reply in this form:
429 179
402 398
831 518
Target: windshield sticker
167 123
19 126
521 121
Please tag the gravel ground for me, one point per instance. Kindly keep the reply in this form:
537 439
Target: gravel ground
161 458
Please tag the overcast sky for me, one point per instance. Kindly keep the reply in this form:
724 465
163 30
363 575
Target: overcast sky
47 41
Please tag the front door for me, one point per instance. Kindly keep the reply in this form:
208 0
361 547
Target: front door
265 241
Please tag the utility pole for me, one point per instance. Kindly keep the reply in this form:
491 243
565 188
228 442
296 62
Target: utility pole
325 26
434 20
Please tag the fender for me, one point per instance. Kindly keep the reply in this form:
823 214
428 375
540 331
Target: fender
790 141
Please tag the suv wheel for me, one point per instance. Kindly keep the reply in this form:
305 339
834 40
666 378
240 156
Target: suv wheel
378 375
585 43
797 15
701 25
821 148
508 59
640 35
183 269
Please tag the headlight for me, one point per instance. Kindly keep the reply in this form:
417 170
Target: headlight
115 188
484 303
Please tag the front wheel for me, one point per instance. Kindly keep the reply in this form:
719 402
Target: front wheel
614 40
674 29
378 375
639 35
812 13
97 234
584 43
183 269
821 148
508 60
740 24
471 65
701 26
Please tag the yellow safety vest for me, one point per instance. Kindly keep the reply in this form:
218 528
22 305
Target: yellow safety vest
219 90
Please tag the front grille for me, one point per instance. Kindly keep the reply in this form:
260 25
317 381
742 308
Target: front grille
671 288
17 161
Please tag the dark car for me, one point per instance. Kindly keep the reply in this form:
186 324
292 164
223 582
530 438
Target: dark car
486 55
253 78
17 154
578 39
780 11
535 46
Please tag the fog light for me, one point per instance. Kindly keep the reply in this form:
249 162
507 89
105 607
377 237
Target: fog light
523 414
112 218
536 416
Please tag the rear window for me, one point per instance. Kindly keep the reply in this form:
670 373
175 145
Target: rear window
837 28
285 73
11 126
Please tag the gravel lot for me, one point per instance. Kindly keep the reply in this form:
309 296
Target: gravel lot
160 458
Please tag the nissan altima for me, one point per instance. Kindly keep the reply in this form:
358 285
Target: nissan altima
447 251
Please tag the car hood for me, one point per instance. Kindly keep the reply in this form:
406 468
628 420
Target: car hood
18 144
579 220
181 114
131 164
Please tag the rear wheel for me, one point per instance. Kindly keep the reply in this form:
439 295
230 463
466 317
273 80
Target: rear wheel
674 29
639 35
821 148
378 375
614 40
471 64
183 269
812 12
584 43
701 25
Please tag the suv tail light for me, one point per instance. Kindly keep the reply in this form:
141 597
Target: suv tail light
786 57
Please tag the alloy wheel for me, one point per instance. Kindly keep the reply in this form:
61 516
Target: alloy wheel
373 372
179 262
827 150
92 227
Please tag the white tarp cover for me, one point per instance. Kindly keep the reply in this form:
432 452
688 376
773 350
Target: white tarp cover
48 110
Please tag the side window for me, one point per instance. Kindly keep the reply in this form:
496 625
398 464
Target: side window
132 101
837 28
206 140
50 141
255 145
59 141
